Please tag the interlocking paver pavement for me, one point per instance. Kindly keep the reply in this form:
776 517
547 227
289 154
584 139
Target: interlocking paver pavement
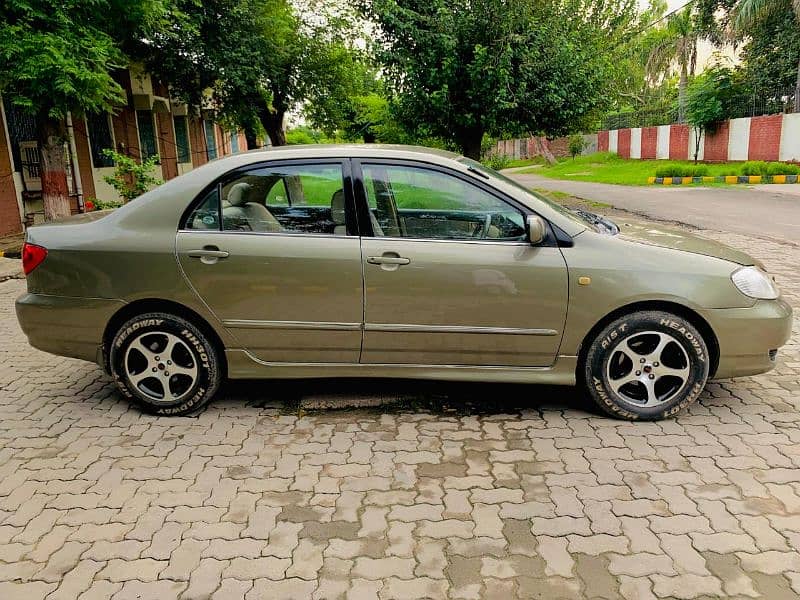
472 492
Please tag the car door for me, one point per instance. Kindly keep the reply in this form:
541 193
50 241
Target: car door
449 276
274 252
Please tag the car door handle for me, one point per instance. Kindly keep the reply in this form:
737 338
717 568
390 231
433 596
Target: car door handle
208 254
388 260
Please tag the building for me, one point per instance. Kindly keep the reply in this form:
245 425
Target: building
150 123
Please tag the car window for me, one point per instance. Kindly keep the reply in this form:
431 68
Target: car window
416 202
206 214
280 199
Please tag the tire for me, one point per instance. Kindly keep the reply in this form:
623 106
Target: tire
143 351
647 365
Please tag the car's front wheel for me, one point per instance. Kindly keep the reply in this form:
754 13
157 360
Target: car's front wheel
164 363
646 365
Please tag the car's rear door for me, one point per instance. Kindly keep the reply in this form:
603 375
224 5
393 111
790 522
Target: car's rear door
273 251
449 276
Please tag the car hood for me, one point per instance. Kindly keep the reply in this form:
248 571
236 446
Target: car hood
668 237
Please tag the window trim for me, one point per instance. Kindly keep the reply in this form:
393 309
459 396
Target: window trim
363 204
347 185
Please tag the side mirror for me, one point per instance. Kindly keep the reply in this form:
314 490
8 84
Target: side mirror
537 229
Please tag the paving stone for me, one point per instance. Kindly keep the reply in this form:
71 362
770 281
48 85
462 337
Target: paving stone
539 499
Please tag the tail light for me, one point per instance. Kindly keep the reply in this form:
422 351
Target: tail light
32 256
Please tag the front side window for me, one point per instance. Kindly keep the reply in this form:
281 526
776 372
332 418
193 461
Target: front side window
280 199
416 202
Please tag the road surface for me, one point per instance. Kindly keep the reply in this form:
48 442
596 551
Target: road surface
766 211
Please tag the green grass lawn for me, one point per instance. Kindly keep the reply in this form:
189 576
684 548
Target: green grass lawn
604 167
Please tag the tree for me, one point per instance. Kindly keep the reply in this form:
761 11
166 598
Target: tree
748 15
460 70
258 58
57 58
708 102
676 44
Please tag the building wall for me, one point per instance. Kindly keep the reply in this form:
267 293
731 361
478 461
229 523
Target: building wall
624 143
790 138
765 137
678 142
649 142
84 157
10 221
770 137
716 145
168 150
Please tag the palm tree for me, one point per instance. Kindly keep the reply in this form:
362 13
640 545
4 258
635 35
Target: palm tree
677 46
746 12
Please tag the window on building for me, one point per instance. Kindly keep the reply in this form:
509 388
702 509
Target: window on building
100 138
147 134
211 142
182 139
234 142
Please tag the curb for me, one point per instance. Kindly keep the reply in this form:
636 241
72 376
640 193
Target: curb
724 179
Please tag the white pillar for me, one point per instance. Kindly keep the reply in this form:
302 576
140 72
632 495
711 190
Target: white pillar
612 141
739 139
662 142
636 142
790 137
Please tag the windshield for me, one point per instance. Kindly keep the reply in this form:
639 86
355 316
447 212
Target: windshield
585 218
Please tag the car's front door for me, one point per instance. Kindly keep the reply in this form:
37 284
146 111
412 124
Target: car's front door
274 252
449 276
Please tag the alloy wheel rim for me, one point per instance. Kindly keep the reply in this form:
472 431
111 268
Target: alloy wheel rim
161 367
648 368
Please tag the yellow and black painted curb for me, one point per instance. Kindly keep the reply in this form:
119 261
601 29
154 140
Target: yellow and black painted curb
724 179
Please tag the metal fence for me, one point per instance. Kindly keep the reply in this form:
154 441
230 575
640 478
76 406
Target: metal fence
763 102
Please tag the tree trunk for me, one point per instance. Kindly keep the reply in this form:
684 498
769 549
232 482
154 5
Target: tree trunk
797 86
272 120
52 135
251 137
470 143
544 151
698 133
683 83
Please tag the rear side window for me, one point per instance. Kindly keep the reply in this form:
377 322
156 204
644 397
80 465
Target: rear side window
206 215
278 199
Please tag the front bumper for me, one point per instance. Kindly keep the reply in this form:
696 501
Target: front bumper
65 325
748 337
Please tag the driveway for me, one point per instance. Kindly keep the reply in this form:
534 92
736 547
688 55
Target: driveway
771 211
478 491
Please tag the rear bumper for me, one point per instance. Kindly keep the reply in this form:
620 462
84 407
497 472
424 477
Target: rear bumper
748 337
65 325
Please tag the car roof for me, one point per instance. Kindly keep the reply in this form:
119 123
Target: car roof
349 150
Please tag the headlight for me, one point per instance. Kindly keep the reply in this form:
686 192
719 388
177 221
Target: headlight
754 282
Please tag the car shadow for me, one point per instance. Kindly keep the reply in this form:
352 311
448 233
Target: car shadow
399 395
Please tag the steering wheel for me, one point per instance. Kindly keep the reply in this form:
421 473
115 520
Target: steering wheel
482 229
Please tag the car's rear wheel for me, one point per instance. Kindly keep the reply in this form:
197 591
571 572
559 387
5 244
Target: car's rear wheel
646 365
164 363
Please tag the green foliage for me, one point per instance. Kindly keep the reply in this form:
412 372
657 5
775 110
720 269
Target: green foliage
57 57
131 179
769 169
307 135
576 145
709 100
496 161
682 170
97 204
259 58
460 70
